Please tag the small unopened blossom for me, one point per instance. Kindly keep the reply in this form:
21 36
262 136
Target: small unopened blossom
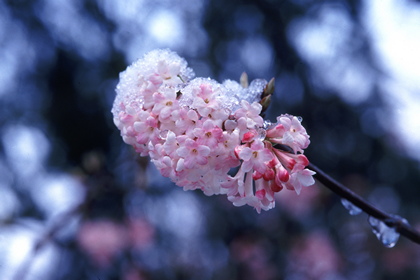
197 131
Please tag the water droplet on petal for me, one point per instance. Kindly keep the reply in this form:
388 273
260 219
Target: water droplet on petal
300 119
353 209
267 125
387 235
261 133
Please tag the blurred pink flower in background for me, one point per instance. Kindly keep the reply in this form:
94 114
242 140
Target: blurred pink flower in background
252 254
314 256
299 208
134 274
140 233
102 240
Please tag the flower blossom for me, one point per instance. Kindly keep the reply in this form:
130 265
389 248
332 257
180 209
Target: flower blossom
197 131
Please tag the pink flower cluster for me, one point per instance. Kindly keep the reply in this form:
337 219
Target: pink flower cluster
196 131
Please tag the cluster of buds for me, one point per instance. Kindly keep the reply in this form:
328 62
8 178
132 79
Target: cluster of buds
197 131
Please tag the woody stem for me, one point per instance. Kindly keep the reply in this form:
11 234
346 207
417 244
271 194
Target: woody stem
400 226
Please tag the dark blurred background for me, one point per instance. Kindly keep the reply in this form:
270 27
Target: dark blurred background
349 68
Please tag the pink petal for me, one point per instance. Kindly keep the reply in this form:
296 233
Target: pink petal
245 153
203 150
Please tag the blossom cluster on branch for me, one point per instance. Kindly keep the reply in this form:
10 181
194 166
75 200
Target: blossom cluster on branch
198 131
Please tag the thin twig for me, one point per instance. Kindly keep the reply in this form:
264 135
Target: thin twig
45 239
392 221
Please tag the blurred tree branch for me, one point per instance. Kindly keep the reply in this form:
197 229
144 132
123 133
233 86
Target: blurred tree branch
49 235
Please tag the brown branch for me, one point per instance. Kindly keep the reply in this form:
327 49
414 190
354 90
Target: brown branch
398 223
